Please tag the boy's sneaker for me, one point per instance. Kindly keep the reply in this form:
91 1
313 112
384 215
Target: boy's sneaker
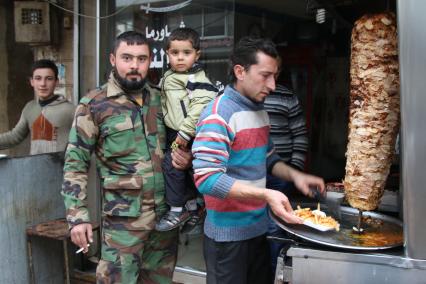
172 220
196 217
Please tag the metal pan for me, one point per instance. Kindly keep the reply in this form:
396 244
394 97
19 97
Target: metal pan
386 232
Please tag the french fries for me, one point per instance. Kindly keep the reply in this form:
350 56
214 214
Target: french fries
320 219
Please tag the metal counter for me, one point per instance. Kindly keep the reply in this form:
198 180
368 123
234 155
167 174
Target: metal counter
327 266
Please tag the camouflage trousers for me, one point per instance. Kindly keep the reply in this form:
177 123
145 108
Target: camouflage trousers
136 256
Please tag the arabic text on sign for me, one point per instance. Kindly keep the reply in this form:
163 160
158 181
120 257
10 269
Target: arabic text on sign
158 35
158 58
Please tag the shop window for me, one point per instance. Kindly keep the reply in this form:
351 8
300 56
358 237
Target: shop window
214 22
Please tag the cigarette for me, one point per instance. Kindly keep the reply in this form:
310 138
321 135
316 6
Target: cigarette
81 249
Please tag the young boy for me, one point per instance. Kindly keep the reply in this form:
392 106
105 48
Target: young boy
185 91
47 118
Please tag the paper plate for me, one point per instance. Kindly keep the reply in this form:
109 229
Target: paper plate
317 226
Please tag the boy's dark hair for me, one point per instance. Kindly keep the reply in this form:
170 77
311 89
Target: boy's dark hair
45 63
245 53
131 38
184 34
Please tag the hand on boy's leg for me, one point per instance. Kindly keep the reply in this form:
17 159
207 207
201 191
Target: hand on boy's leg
181 159
181 142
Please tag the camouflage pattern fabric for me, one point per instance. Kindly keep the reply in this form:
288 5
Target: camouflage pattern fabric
130 256
128 141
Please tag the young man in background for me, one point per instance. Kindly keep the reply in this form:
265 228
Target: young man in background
47 118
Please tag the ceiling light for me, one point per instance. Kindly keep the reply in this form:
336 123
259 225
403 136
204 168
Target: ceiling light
320 16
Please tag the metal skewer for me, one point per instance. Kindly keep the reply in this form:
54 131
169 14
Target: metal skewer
358 229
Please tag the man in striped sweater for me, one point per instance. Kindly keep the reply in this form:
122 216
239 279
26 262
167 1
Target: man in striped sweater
288 126
289 135
232 155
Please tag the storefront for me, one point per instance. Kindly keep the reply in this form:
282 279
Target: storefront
313 38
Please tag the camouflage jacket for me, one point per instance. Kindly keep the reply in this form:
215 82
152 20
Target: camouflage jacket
128 141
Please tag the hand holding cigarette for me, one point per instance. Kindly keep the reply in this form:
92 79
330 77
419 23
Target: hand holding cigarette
81 249
81 236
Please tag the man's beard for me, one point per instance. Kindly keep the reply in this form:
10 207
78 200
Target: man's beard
129 85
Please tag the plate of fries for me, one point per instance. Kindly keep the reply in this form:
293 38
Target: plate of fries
317 219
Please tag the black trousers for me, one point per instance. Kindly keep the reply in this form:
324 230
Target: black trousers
179 184
239 262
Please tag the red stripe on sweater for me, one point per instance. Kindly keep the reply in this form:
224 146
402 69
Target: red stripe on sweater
212 139
251 138
216 102
232 205
201 178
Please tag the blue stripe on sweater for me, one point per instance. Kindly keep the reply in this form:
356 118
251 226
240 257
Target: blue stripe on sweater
235 219
207 186
247 172
208 127
248 157
213 145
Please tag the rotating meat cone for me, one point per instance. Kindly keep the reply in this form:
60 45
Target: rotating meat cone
374 109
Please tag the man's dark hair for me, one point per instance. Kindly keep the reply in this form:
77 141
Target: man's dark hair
131 38
245 53
185 34
45 63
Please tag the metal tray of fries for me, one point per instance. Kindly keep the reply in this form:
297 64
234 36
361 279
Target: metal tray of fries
383 232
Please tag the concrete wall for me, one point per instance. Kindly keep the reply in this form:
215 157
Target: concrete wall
30 190
15 90
88 48
62 51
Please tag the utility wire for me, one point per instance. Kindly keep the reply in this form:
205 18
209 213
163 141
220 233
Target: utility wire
88 16
102 17
125 7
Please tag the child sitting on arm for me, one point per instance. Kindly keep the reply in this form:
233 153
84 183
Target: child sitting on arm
185 91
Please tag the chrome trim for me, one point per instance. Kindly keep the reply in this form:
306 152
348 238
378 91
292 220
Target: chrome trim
76 53
412 59
98 42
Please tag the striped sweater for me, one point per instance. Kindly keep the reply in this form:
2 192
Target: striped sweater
232 144
288 126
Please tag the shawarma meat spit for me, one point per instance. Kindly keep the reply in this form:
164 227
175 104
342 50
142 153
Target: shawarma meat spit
374 109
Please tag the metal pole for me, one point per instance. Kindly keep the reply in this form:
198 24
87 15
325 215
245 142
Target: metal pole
412 59
66 261
30 260
98 42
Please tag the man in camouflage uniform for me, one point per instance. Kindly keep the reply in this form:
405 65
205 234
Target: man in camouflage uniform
122 123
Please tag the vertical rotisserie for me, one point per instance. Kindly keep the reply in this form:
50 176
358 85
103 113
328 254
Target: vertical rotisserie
374 109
